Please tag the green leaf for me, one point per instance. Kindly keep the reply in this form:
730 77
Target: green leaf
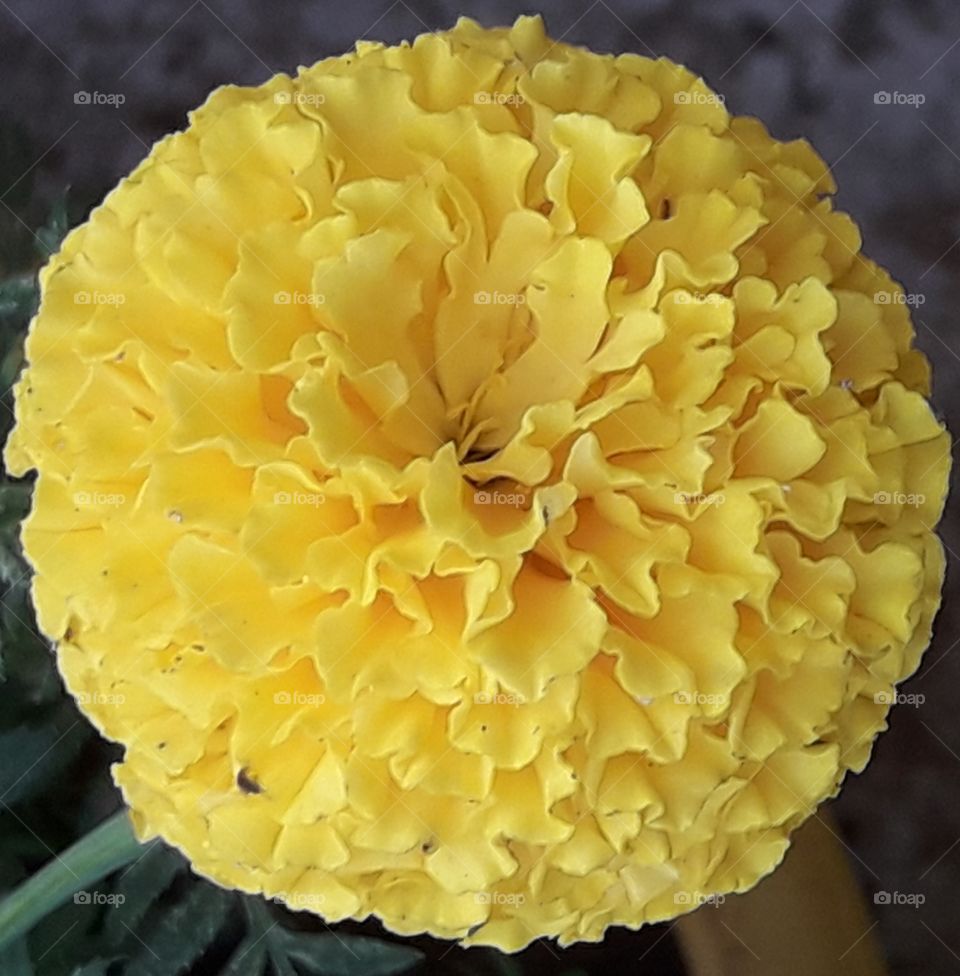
182 933
10 366
506 965
162 920
15 960
14 505
248 959
281 964
343 955
261 926
14 502
16 615
18 297
16 177
141 884
106 848
28 661
27 755
50 236
62 940
96 967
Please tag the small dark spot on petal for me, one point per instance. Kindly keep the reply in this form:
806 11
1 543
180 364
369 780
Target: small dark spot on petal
246 783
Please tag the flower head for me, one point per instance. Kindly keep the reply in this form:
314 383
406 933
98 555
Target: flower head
480 486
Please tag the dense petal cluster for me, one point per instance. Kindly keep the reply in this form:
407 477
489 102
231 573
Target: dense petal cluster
481 484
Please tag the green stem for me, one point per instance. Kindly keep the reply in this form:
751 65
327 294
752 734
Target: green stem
101 852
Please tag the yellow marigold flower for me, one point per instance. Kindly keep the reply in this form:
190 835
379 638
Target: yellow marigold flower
481 484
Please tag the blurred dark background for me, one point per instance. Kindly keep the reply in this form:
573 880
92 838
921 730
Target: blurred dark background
809 68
